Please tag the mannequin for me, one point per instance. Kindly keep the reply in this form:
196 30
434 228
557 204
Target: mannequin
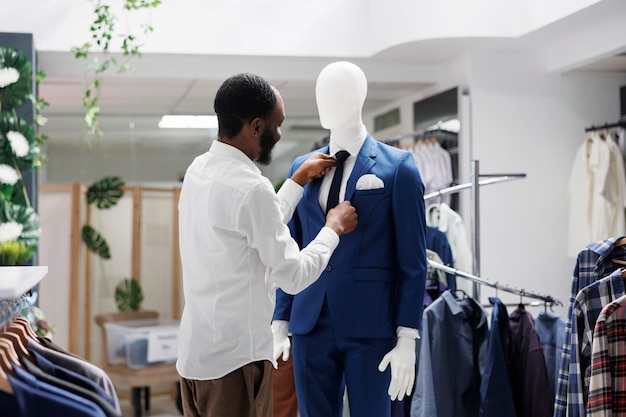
358 323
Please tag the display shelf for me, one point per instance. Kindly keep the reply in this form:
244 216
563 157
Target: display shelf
17 280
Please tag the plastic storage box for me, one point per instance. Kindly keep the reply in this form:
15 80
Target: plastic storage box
140 343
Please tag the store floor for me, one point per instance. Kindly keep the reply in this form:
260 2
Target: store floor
160 406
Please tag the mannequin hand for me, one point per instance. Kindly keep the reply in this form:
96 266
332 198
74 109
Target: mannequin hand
282 345
316 166
402 360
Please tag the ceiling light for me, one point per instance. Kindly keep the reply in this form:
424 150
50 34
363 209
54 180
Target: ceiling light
170 121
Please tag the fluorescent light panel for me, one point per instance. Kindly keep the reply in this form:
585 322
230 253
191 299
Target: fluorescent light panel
170 121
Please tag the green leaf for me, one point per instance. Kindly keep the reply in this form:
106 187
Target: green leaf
95 242
128 295
105 192
9 123
27 217
14 95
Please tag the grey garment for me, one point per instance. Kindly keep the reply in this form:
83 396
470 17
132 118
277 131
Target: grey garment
551 330
452 359
79 366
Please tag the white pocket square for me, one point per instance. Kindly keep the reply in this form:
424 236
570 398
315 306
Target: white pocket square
369 182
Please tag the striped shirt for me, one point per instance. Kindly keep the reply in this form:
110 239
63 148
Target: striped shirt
607 388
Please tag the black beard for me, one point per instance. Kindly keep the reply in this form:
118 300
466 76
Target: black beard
267 145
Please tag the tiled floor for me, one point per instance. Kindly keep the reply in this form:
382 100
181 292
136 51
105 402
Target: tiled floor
160 406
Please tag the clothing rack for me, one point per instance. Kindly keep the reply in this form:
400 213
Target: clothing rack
548 299
491 179
620 123
420 133
9 309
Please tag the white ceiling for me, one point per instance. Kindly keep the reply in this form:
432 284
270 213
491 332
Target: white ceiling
131 105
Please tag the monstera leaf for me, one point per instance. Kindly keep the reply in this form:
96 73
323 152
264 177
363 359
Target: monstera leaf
105 192
128 295
95 242
27 217
14 95
8 123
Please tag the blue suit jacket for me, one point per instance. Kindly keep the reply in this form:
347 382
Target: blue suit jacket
375 279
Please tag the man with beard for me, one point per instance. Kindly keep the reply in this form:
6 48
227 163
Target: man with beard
236 250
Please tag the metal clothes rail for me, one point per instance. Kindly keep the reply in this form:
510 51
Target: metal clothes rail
548 299
490 179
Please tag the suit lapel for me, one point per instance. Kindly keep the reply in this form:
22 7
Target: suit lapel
364 162
314 189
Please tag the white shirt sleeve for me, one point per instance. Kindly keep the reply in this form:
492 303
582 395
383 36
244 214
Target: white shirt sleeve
260 219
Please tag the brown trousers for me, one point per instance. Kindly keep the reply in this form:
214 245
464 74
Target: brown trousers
245 392
285 402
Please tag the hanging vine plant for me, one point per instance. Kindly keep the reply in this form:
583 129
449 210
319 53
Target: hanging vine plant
99 59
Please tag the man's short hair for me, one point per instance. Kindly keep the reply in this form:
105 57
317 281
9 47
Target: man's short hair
240 98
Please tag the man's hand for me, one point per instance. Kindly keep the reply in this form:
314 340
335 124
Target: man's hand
316 166
282 345
342 219
402 360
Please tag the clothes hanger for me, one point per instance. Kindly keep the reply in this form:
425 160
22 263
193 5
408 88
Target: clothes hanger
24 325
5 369
18 346
11 355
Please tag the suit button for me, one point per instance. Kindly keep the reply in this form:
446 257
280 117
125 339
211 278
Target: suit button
329 268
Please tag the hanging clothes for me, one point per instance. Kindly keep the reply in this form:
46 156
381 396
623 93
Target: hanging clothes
495 390
437 242
597 193
451 224
529 374
586 310
452 357
607 387
550 328
592 264
38 387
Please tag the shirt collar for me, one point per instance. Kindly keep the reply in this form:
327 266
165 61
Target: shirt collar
603 248
229 151
452 303
353 147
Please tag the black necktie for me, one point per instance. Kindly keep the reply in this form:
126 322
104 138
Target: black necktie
335 185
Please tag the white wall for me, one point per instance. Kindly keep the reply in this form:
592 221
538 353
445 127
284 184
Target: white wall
523 119
527 120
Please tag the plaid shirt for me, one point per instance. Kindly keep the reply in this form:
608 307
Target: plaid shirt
608 361
587 308
592 264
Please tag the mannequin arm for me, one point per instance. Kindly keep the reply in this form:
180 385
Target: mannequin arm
402 361
282 345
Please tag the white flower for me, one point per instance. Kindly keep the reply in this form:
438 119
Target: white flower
8 175
10 231
8 76
19 144
40 120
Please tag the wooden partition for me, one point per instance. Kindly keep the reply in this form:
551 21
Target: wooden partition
142 233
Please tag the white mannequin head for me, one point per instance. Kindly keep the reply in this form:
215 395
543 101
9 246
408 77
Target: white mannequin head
340 93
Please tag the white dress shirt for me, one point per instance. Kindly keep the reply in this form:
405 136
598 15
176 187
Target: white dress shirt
235 250
597 193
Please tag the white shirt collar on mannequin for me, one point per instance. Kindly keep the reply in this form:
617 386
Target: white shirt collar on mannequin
350 139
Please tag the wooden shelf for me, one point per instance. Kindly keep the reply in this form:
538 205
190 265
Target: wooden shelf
17 280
